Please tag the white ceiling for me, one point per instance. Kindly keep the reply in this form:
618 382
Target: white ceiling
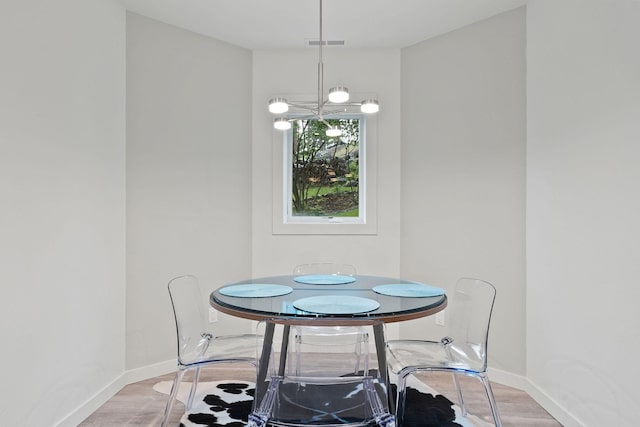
272 24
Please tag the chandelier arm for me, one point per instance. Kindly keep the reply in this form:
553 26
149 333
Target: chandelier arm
332 112
305 117
311 105
309 108
347 104
311 116
321 119
303 104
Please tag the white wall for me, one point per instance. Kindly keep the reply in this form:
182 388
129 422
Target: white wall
62 215
188 175
463 171
62 224
282 72
583 207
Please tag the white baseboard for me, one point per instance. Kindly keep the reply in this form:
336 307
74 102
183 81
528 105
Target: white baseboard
558 412
90 406
520 382
106 393
508 378
146 372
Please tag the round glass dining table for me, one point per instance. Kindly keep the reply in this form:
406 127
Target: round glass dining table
326 300
357 301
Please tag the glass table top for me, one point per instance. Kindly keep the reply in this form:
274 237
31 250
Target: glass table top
360 292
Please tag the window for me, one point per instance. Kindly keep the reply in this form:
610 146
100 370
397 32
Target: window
325 180
323 176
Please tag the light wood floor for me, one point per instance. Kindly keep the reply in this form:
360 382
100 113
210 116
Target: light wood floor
138 404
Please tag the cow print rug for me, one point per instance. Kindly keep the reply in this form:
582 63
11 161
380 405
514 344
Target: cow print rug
228 404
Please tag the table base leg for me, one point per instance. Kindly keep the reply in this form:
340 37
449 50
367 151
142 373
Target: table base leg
263 363
381 352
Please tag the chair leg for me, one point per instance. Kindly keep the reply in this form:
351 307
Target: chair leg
401 397
362 354
380 412
365 346
298 350
261 414
456 381
172 396
194 385
492 400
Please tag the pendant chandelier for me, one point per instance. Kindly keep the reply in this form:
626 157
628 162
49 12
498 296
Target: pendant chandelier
336 102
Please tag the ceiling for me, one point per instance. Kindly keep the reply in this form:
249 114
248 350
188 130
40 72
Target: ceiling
277 24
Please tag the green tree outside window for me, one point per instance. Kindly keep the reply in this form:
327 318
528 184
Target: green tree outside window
325 171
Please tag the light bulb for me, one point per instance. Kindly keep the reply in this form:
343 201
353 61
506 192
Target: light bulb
281 123
370 106
338 94
278 106
332 131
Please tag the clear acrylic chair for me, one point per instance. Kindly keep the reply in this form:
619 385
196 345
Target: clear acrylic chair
321 337
197 345
462 352
310 341
325 268
322 393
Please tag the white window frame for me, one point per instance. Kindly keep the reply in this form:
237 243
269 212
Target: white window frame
365 223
